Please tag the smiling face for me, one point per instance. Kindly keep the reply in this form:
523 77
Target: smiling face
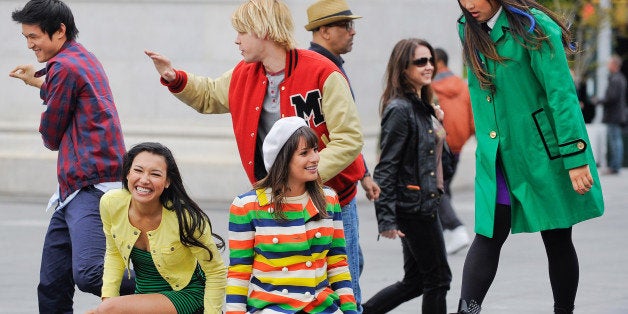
147 178
39 41
481 10
303 167
420 76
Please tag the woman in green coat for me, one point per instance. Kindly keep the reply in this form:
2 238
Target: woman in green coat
534 168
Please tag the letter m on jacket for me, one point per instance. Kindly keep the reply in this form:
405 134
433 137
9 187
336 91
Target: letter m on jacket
309 108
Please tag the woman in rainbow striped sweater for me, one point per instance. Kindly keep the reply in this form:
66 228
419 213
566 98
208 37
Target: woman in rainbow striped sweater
287 247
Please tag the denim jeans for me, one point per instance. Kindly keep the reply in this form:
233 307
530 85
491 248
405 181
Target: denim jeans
426 271
73 253
351 226
615 147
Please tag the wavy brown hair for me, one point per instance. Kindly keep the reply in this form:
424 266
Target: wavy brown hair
397 84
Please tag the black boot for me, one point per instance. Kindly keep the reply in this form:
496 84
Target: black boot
561 310
468 307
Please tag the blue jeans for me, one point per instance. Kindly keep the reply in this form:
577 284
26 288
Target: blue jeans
351 226
615 147
73 254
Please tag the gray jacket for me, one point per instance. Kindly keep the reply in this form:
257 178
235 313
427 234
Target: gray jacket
614 101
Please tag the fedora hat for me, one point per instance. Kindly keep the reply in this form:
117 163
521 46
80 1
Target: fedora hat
324 12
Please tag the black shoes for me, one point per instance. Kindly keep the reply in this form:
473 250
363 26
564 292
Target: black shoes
559 310
472 307
468 307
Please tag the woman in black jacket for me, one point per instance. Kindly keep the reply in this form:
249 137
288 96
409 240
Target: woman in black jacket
410 174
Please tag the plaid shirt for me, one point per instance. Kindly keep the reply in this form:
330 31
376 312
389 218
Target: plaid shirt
80 120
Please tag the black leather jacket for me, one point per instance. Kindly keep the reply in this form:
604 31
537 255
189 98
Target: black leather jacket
408 161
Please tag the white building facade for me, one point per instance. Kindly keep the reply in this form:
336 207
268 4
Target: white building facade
197 36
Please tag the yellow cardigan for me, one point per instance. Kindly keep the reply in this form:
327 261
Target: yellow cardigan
174 261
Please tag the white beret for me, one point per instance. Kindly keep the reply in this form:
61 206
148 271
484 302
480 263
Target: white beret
278 136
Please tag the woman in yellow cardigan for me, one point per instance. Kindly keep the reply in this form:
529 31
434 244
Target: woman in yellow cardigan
155 225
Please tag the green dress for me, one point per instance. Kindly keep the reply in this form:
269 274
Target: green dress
149 280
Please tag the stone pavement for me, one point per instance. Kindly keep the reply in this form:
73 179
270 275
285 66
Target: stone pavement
521 285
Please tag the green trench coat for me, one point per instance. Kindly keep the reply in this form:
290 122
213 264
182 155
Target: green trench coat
533 121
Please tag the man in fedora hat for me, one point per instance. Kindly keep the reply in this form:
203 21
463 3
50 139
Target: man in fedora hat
331 24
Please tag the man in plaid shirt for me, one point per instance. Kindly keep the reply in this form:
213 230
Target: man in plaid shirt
82 124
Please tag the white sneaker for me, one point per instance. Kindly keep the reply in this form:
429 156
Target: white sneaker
446 235
458 240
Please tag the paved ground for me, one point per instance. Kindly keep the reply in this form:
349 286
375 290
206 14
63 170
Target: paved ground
521 285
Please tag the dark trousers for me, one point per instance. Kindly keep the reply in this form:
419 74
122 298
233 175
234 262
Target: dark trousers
480 265
426 271
448 218
73 254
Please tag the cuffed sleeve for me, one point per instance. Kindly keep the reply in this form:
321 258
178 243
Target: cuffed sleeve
204 94
343 123
215 273
114 264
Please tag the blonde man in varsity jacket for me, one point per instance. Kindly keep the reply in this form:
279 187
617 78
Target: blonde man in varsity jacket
286 241
276 80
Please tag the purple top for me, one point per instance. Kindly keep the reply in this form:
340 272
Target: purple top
503 196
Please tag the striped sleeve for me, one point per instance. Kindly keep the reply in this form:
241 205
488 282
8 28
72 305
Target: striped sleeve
337 266
241 242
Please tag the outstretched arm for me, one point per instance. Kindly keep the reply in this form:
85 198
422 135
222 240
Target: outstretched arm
26 73
162 65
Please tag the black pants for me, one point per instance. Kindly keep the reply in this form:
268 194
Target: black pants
480 266
426 271
448 218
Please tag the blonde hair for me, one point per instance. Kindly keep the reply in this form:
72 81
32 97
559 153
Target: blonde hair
267 19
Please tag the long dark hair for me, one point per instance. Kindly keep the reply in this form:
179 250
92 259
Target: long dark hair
397 84
522 25
190 216
277 178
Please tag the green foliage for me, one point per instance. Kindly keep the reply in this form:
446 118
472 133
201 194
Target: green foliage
584 19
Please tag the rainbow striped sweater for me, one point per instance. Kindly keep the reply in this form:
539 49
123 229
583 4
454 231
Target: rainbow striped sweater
291 266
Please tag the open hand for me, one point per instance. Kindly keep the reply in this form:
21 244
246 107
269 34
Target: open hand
163 65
